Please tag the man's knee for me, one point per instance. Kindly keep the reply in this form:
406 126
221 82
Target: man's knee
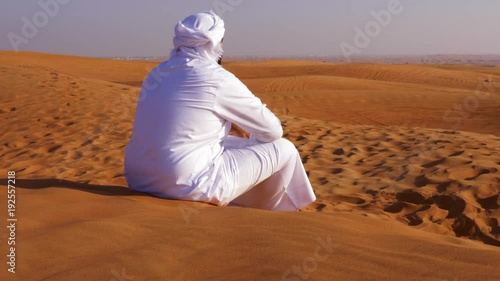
286 147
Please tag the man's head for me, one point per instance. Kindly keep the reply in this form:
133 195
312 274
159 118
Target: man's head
200 35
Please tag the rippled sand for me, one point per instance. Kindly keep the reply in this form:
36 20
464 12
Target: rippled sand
404 160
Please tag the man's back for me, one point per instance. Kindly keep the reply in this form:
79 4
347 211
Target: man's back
180 147
176 128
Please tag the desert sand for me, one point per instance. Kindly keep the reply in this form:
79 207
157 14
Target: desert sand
404 160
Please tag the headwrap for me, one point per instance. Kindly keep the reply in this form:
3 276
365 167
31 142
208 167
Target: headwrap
199 35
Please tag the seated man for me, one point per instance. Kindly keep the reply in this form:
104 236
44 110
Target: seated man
180 147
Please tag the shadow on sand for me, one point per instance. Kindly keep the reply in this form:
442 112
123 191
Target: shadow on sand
108 190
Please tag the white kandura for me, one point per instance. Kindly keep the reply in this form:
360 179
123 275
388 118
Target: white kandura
180 147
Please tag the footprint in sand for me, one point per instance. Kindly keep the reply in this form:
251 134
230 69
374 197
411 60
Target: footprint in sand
434 163
54 148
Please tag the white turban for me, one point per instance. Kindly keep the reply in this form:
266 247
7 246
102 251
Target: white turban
199 35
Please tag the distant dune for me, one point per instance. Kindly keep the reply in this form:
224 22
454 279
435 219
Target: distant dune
404 159
457 59
370 94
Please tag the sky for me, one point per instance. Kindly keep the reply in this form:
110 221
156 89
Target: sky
108 28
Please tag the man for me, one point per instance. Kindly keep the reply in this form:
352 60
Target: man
180 147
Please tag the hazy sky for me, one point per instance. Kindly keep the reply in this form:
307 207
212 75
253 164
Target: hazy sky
255 27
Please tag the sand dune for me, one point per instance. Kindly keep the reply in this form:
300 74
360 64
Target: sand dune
364 94
436 180
368 94
83 232
457 78
402 193
118 71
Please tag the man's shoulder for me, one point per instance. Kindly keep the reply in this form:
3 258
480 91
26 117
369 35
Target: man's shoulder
220 73
226 73
203 69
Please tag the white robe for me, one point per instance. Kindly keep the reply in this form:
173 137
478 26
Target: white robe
180 148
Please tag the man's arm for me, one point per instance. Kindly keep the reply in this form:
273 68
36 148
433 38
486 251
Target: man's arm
237 104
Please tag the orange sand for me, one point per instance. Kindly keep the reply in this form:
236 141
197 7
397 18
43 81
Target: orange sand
404 160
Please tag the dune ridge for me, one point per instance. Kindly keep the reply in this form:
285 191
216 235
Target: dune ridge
425 178
401 194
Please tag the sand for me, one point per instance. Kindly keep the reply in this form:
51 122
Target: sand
404 160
